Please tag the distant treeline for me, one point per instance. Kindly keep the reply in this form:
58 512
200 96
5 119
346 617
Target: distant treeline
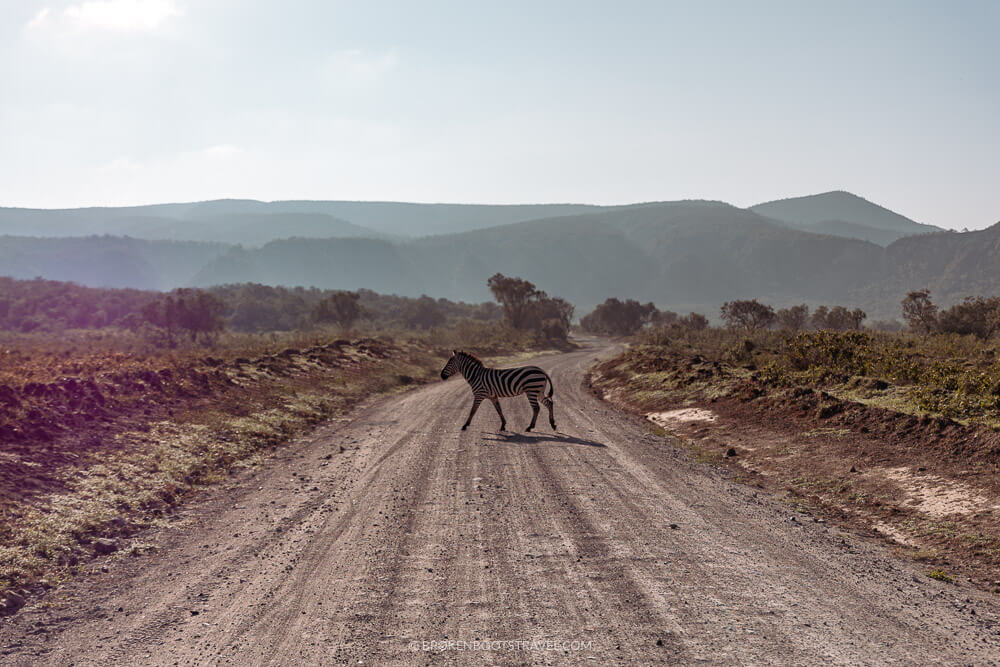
50 306
975 315
253 308
616 317
624 318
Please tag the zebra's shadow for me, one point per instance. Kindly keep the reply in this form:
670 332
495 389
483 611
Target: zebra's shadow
540 438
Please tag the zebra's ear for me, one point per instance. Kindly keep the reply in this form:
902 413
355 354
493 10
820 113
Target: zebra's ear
454 351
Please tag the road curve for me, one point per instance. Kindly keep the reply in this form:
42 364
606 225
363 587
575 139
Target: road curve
419 542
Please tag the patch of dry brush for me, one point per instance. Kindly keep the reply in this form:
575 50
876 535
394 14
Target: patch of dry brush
840 422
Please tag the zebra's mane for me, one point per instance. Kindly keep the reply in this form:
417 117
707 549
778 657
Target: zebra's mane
471 356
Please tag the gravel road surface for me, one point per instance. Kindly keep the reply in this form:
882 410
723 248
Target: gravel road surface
395 538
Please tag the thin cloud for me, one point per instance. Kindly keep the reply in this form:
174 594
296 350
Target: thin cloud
111 15
40 19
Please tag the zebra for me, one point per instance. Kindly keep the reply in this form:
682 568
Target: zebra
497 383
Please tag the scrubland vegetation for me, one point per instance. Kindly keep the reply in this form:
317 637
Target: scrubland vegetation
947 364
872 426
947 375
49 306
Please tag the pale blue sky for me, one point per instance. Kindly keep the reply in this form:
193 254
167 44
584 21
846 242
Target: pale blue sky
139 101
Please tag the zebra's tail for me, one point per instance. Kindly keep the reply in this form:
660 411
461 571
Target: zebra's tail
552 387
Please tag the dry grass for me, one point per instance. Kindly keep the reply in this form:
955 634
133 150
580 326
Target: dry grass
840 434
944 375
150 443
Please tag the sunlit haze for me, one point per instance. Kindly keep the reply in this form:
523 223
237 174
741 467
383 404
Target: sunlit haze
140 101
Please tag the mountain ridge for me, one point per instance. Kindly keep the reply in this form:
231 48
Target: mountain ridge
835 213
843 213
683 255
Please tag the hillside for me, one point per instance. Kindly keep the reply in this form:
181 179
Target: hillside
251 222
843 214
326 263
106 261
255 223
415 220
684 254
173 222
952 265
252 229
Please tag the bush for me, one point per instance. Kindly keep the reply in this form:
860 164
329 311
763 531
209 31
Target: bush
978 316
341 308
837 318
622 318
795 318
750 315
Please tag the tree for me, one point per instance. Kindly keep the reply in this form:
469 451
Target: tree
619 318
192 310
341 308
526 307
818 320
514 296
857 316
423 313
198 312
695 321
793 319
551 316
160 314
662 318
842 319
919 311
750 315
979 316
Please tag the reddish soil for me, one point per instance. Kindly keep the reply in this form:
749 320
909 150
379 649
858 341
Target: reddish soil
48 426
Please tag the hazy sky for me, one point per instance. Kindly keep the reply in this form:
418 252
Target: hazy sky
139 101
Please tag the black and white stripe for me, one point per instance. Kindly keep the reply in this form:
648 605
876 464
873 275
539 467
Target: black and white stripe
497 383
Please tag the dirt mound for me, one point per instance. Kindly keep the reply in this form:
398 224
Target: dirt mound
47 426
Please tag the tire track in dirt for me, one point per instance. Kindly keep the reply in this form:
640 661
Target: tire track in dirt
777 564
420 532
648 623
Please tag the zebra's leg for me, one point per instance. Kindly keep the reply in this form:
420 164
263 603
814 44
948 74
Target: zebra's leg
547 402
533 400
503 420
476 400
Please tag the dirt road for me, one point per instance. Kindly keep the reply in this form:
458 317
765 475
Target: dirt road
602 543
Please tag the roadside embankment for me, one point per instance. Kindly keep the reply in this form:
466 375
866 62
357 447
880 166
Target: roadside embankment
927 484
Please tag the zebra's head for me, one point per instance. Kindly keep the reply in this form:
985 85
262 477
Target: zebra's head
460 362
452 366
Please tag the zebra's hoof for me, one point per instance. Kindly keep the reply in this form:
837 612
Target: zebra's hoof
464 427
